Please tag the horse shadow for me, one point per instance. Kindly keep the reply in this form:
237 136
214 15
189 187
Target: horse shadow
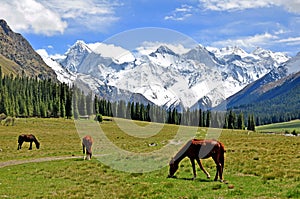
192 179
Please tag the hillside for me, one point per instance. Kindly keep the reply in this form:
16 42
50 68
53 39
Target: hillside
281 127
274 102
17 56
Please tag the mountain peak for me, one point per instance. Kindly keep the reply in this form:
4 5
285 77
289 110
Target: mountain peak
4 26
268 54
165 50
261 51
79 46
234 50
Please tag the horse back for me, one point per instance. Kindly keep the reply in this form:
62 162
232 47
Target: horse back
87 141
206 148
26 138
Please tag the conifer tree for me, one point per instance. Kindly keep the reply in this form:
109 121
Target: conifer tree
240 121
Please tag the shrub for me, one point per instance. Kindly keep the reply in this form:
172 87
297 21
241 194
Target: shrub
2 116
99 117
9 121
294 133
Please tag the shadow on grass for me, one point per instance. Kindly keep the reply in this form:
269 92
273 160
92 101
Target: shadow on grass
192 179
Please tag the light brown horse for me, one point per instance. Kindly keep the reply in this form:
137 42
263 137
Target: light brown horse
87 142
28 138
200 149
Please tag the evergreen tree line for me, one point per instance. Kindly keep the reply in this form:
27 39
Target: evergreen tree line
22 96
282 108
129 110
153 113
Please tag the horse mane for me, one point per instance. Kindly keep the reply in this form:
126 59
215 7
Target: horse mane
182 151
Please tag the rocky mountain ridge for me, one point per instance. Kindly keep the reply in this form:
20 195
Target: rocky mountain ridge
17 56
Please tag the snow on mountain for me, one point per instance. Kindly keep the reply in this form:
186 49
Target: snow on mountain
166 77
163 56
293 65
63 75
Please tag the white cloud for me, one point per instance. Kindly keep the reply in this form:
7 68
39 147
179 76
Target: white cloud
290 41
148 47
49 17
110 50
248 43
180 14
94 15
31 16
231 5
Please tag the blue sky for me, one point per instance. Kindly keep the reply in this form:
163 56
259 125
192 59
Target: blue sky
55 25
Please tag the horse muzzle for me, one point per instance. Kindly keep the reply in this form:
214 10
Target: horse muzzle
170 176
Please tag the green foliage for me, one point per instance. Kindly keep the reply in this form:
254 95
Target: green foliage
282 108
22 96
99 117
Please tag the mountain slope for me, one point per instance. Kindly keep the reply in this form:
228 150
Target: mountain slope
278 104
277 82
17 55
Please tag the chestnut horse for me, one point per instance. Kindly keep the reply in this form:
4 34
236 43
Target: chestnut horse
87 142
200 149
28 138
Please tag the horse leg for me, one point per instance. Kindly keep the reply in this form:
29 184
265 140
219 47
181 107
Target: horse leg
83 151
218 168
202 168
222 166
194 168
20 145
30 147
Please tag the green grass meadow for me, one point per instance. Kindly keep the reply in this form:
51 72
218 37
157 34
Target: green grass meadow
257 165
281 127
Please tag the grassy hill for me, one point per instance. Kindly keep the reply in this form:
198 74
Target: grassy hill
280 127
8 66
256 165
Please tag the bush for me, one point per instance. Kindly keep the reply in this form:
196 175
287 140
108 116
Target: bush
2 116
294 133
9 121
99 117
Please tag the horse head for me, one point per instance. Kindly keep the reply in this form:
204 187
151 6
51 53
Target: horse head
173 168
37 144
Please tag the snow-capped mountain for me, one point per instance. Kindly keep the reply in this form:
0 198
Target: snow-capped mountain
201 76
278 81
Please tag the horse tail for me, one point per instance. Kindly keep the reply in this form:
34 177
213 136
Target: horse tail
222 150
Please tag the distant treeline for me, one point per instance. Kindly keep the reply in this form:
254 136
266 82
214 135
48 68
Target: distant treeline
154 113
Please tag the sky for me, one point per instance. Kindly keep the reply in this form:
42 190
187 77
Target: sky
55 25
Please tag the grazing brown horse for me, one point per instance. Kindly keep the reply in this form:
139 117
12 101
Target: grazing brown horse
87 142
28 138
200 149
